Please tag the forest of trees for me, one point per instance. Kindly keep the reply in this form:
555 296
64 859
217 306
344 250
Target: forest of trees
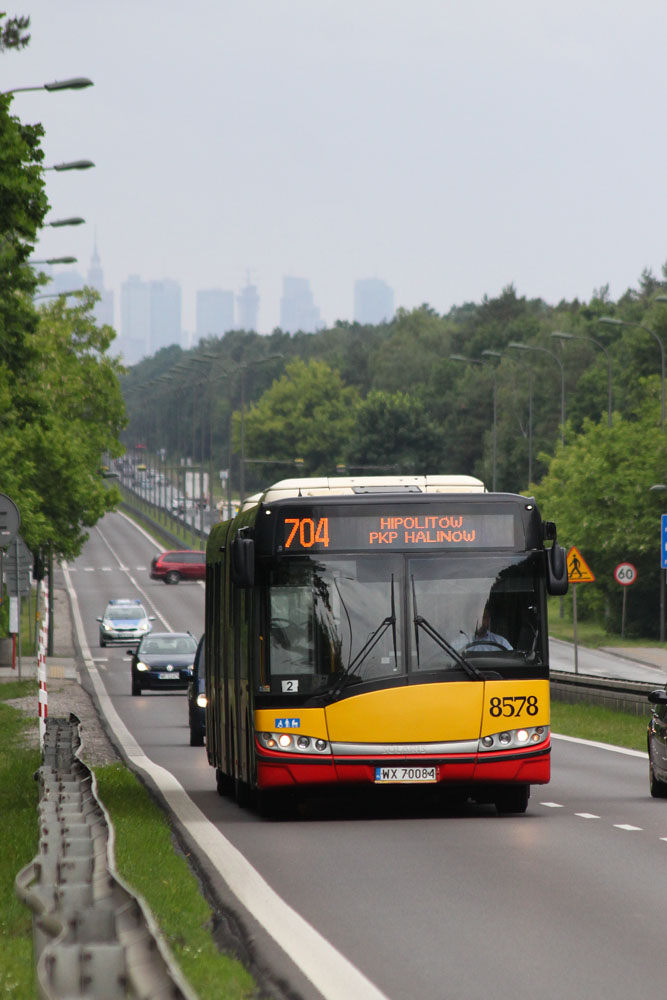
426 393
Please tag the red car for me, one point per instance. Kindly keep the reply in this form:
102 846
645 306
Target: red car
188 564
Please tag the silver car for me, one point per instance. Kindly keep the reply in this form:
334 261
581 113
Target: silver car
124 620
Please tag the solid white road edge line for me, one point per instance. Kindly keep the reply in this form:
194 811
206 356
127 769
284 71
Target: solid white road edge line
326 968
601 746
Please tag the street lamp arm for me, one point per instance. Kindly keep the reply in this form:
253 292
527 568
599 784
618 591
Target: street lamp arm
75 83
55 260
75 220
73 165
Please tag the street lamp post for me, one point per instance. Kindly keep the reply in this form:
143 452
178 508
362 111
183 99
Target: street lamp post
559 335
476 361
533 347
241 369
612 321
499 356
660 488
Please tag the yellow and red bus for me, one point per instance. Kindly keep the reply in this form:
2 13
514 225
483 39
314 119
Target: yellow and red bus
381 631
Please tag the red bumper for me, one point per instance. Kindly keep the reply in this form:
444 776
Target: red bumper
521 766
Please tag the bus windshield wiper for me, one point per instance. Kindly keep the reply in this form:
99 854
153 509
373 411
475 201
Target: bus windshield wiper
349 675
432 633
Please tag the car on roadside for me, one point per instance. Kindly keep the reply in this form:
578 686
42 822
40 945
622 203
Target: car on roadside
124 620
184 564
656 739
197 698
163 660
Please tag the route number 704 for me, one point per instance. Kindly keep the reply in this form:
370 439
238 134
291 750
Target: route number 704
513 705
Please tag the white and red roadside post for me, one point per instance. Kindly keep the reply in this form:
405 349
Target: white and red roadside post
42 645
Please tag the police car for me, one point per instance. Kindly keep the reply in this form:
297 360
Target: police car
124 620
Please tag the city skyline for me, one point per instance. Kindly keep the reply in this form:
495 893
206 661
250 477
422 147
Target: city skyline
149 315
448 149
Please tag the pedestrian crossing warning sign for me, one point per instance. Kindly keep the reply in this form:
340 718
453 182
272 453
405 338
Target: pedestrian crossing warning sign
578 570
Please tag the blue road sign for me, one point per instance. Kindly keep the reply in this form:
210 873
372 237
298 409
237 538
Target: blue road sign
663 542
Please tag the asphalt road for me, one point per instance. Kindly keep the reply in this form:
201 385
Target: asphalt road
403 898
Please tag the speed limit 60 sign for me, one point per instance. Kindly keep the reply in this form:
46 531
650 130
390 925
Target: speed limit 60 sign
625 574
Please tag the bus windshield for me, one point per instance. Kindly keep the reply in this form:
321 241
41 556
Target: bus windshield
342 619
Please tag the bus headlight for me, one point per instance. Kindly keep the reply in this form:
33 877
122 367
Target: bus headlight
292 743
510 738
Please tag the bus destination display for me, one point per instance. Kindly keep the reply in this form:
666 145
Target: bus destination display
394 530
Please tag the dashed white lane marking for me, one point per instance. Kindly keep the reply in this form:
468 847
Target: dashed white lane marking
587 815
626 826
551 805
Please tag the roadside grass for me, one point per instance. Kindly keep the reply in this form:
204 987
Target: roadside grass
149 862
589 633
146 858
603 725
19 797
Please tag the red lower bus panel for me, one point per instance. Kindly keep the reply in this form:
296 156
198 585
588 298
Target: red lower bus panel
277 772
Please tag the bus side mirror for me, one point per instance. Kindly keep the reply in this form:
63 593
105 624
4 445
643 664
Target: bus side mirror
556 570
243 562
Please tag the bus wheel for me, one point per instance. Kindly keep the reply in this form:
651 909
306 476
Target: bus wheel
512 799
223 782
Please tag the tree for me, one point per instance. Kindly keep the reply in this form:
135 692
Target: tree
394 431
307 414
23 206
597 489
12 32
61 412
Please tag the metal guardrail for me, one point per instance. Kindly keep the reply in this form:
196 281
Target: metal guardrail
620 695
93 937
141 510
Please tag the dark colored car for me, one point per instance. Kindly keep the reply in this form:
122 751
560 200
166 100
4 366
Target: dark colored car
657 744
188 564
197 699
124 620
163 660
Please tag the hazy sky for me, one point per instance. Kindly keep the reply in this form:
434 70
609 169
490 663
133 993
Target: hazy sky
449 147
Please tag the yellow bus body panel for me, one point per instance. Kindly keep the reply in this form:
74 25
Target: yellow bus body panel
515 705
419 713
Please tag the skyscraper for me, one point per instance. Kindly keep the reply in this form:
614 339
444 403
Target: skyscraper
215 313
297 308
104 309
248 307
373 301
165 314
135 319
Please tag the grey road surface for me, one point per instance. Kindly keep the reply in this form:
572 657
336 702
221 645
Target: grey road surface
426 903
